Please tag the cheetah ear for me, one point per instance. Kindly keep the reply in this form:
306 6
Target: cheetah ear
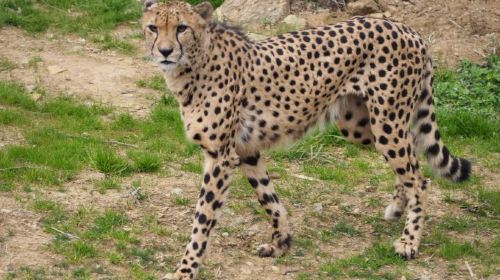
204 9
148 4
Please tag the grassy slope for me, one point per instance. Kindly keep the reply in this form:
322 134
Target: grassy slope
64 137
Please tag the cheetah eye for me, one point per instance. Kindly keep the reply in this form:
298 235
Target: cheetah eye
153 28
181 28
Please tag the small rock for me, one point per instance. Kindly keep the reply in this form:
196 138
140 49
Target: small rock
176 191
275 269
356 211
249 263
244 12
362 7
30 88
245 271
5 211
295 21
387 14
370 188
225 234
55 69
377 15
318 207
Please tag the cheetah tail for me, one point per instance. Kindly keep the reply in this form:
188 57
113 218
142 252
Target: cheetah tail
428 139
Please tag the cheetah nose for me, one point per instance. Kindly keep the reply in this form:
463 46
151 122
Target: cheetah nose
166 51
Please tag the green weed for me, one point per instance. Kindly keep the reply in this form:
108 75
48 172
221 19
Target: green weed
145 162
366 265
6 65
108 162
110 183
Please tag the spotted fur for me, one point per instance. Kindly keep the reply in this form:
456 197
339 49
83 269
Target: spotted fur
372 77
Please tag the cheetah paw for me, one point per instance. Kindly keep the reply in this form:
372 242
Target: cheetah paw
392 212
405 249
268 250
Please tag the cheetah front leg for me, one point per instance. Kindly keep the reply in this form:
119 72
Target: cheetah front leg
256 171
216 180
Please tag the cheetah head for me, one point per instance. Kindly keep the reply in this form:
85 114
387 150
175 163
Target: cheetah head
174 32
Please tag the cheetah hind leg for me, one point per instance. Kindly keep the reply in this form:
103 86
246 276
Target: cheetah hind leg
396 207
354 123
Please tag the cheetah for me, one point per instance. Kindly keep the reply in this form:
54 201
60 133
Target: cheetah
372 77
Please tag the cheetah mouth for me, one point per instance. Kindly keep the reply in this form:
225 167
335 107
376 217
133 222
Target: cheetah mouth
167 62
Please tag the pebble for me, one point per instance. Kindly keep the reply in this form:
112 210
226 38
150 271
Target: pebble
176 191
275 269
55 69
225 234
318 207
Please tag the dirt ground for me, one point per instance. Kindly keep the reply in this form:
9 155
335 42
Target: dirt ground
455 30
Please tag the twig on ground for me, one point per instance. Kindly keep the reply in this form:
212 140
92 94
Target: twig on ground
65 234
21 167
112 142
288 271
54 7
455 23
470 270
480 53
411 2
305 177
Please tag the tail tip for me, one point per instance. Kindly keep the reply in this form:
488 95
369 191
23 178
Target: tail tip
465 170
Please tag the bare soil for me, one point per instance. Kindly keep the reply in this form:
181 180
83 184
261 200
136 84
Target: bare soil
454 30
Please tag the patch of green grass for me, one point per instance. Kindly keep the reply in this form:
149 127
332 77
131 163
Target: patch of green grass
80 250
11 117
452 250
181 201
458 224
491 198
34 61
75 16
53 212
108 41
463 123
145 161
110 183
192 166
126 122
15 95
472 87
146 256
81 273
365 265
340 228
6 186
339 175
105 224
6 65
26 272
215 3
108 162
155 82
